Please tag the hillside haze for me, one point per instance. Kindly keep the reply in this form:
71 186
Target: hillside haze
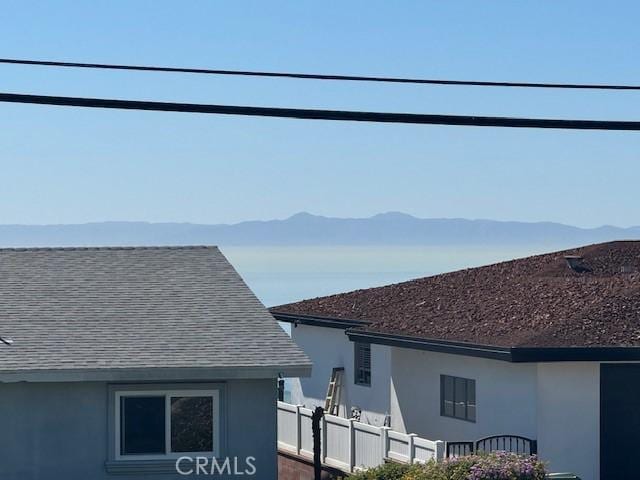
304 229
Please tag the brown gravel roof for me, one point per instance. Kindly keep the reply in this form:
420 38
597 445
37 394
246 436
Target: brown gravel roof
537 301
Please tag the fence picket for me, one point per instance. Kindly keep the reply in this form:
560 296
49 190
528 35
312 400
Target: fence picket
298 430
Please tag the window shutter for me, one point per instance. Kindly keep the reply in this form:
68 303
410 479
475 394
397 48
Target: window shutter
362 367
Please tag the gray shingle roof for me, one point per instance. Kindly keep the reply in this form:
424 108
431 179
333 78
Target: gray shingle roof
143 309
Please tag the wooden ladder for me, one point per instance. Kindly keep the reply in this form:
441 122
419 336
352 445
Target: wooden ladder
332 402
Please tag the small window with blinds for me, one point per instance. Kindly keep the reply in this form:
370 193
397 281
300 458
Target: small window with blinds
362 367
458 398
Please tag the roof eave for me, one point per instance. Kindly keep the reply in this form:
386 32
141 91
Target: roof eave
507 354
575 354
317 321
156 374
353 329
432 345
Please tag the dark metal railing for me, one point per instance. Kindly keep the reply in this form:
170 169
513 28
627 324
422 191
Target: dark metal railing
507 443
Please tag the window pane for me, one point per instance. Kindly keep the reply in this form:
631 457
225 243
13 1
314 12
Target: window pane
447 397
460 394
142 425
471 400
191 424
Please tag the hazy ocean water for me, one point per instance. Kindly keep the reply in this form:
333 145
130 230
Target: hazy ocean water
286 274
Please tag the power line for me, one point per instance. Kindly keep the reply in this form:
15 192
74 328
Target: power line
315 76
314 114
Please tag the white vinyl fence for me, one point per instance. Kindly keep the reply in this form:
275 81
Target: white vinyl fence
350 445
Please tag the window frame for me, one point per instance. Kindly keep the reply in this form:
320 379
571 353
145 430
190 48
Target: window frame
168 394
357 367
467 404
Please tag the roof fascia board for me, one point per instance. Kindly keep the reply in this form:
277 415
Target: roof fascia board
317 321
154 374
575 354
457 348
508 354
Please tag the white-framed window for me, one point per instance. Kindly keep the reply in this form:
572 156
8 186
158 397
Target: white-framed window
165 424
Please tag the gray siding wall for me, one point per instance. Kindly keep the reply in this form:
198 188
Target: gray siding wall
59 431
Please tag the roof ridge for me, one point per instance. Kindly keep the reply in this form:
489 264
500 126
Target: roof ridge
108 248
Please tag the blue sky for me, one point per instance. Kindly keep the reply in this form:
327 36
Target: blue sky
70 165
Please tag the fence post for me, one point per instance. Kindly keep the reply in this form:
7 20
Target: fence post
281 389
440 446
384 441
352 445
325 440
412 448
298 430
316 427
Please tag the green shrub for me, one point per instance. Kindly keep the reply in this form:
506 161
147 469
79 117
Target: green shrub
388 471
494 466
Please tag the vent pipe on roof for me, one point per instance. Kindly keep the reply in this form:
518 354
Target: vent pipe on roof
6 340
575 263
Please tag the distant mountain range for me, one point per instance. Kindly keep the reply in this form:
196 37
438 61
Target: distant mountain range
306 229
